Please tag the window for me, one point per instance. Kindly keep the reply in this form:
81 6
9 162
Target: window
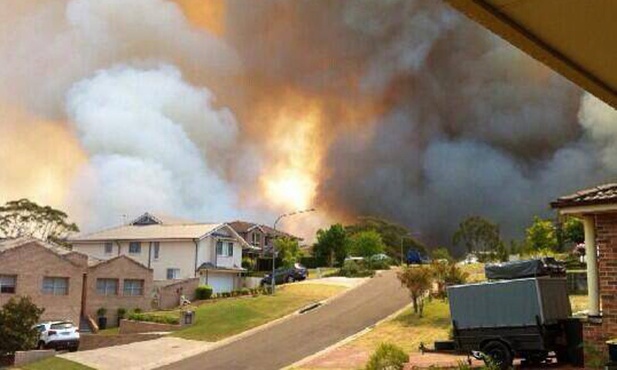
134 247
157 249
256 238
56 285
133 287
224 249
173 274
7 283
107 286
108 248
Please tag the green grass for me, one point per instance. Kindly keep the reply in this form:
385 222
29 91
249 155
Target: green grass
325 272
110 331
215 321
408 330
55 363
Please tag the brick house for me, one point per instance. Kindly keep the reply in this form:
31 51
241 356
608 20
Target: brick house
597 208
71 285
259 238
51 276
119 282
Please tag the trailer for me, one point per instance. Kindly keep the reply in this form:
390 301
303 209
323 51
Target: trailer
527 318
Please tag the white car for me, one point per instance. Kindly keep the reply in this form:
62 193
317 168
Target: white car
58 335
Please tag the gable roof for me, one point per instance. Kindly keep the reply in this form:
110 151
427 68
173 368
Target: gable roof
245 226
58 251
98 263
601 194
150 227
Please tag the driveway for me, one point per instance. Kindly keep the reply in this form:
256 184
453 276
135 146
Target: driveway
294 339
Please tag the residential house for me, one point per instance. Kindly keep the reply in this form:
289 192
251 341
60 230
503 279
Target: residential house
260 238
173 249
70 285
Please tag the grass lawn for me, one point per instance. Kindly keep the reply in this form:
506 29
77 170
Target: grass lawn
55 363
475 271
325 271
215 321
408 330
110 331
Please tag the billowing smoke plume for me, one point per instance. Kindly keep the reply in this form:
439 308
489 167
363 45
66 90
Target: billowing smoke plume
401 108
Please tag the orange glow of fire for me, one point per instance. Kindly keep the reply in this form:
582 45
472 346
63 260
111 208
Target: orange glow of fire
38 157
209 15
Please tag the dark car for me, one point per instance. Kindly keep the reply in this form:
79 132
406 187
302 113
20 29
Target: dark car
415 257
286 275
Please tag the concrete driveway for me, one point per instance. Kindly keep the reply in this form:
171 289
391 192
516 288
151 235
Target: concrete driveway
291 340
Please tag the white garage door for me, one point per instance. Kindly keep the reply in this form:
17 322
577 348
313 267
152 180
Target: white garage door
219 282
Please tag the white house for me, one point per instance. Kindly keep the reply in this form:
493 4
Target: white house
174 249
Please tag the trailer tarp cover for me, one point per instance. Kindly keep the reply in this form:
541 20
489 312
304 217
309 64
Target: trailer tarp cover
509 303
515 270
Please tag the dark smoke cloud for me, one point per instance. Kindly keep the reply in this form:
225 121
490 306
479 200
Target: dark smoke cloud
468 125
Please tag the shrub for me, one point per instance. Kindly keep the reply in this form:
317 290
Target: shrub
121 313
355 269
17 317
245 291
248 263
161 319
203 292
137 310
101 312
386 357
379 264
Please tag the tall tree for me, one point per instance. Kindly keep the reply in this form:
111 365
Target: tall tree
23 218
477 234
332 245
366 244
288 250
573 231
392 235
541 235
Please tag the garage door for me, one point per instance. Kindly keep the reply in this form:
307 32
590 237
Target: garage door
219 282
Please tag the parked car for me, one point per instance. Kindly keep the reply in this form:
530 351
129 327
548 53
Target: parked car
286 275
415 257
58 335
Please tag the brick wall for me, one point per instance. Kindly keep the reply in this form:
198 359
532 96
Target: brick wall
169 294
31 263
120 268
597 333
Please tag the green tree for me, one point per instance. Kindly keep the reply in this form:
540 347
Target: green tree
541 236
392 234
332 245
573 230
447 273
441 253
477 234
24 218
418 280
288 250
366 244
17 317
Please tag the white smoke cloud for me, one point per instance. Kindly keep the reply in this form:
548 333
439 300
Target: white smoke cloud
149 133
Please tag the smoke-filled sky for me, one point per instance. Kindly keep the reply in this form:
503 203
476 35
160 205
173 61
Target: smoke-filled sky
219 110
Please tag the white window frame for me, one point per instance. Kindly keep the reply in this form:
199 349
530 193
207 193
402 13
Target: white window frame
219 248
256 239
8 281
52 286
138 244
110 286
175 274
230 249
111 248
129 289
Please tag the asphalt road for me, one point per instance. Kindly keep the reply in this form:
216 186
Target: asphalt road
294 339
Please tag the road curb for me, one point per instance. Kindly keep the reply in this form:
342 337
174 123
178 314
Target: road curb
346 340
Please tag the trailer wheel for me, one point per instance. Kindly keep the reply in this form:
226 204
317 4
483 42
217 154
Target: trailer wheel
498 354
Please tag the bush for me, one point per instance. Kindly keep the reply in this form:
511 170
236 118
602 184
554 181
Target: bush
355 269
310 262
137 310
121 313
161 319
17 317
386 357
379 264
101 312
245 291
203 292
248 263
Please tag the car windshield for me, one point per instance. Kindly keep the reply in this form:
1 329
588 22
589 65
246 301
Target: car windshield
62 325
